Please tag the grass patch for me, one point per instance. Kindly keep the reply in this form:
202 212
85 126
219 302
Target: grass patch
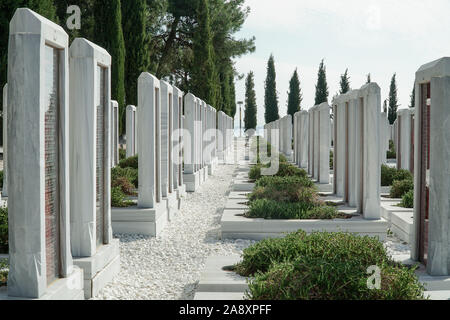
324 266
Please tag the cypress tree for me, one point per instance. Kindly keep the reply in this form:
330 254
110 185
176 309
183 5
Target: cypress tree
250 103
109 35
136 42
369 79
385 106
345 83
203 73
322 86
233 107
271 96
393 101
413 98
294 95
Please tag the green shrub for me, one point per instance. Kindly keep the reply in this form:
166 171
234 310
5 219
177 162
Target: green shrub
285 182
255 172
1 179
403 175
275 210
4 247
400 188
391 154
324 266
389 175
118 198
408 200
131 162
4 267
130 174
122 154
286 193
125 185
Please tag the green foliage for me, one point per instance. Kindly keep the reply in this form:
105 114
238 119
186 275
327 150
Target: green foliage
136 44
122 154
345 83
369 79
324 266
203 71
401 187
270 95
413 98
118 198
408 200
4 230
321 86
271 209
251 111
109 35
1 178
283 182
389 175
130 174
125 185
131 162
294 95
391 154
4 267
393 100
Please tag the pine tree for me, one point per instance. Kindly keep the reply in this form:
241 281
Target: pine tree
413 98
369 79
203 73
322 86
271 96
345 83
136 42
109 35
250 103
385 106
294 95
393 101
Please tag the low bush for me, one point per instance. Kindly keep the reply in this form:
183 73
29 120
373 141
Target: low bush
1 179
391 154
130 174
125 185
285 182
286 193
324 266
389 175
274 210
285 169
408 200
131 162
122 154
401 187
118 198
4 267
331 160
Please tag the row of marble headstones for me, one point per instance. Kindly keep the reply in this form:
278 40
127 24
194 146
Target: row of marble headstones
279 135
404 139
62 134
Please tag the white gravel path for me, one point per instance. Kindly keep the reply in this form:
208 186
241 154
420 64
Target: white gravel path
169 267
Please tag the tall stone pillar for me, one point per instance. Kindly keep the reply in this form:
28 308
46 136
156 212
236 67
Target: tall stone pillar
40 256
131 130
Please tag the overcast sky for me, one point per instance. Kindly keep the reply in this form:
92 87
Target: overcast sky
379 37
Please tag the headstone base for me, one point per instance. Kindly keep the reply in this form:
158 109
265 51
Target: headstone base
181 195
212 167
99 269
173 205
192 181
134 220
70 288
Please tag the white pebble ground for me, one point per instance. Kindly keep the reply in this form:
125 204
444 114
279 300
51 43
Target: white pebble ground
169 267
